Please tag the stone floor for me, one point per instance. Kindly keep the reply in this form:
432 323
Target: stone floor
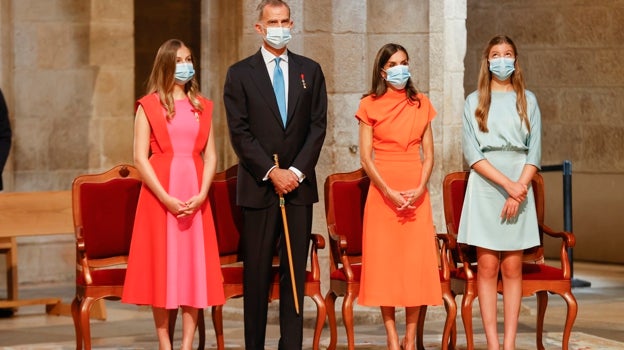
599 325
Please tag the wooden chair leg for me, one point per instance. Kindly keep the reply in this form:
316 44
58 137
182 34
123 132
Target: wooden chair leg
451 313
320 319
542 303
330 303
347 318
570 317
217 323
467 300
75 311
420 327
85 324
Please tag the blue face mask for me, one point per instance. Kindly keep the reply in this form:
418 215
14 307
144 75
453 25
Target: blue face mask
184 72
502 67
278 37
397 76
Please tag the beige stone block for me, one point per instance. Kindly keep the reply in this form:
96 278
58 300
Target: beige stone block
562 142
589 67
342 124
112 44
30 145
595 106
74 98
341 58
62 45
335 16
587 26
539 27
112 10
26 53
116 143
114 92
551 104
602 149
69 141
404 16
51 10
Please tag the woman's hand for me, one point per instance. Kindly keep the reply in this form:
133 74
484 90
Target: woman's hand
177 207
510 209
192 205
517 191
410 197
397 199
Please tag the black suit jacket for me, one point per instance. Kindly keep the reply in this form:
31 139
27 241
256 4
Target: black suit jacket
256 129
5 135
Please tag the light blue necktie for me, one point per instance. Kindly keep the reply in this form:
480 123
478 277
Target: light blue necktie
278 87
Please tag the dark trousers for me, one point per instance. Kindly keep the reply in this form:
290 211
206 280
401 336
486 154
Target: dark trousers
263 235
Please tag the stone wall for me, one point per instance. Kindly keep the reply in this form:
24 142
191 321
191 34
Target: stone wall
571 55
67 70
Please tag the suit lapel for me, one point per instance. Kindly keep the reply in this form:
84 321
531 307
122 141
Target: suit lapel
261 79
295 85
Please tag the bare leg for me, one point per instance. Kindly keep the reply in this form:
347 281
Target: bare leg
411 320
511 269
189 324
161 320
387 313
487 279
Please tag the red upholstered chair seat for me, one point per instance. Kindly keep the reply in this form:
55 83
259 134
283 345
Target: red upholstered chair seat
107 277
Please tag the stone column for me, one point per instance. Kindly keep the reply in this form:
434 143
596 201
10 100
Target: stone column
447 40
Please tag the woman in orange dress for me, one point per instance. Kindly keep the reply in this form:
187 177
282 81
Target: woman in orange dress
399 258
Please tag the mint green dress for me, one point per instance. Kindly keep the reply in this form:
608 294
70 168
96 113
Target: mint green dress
508 146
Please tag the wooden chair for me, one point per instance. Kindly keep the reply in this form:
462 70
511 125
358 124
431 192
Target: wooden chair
537 277
228 224
103 209
345 196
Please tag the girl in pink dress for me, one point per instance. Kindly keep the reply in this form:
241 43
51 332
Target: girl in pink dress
174 259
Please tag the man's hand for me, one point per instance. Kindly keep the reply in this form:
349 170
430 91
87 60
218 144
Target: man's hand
284 180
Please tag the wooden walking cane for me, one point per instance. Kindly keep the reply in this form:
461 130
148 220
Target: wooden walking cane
287 235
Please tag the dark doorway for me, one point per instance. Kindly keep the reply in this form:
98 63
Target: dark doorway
157 21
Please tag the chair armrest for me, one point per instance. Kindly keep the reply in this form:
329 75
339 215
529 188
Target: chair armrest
449 240
444 255
339 240
568 237
318 242
568 241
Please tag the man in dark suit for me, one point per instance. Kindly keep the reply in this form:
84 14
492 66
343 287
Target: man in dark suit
258 129
5 135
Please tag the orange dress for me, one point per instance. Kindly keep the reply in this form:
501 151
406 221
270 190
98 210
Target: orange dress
399 258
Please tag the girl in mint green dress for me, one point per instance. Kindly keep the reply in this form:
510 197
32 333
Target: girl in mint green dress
502 145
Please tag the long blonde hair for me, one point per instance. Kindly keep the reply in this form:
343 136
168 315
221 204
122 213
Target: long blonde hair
162 78
485 91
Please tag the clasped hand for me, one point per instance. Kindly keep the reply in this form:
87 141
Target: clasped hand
284 180
517 194
404 199
181 208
